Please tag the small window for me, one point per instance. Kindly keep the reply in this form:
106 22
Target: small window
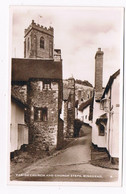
101 130
42 42
69 105
40 114
102 105
47 85
85 116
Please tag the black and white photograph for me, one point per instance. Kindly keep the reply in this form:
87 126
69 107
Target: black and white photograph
66 93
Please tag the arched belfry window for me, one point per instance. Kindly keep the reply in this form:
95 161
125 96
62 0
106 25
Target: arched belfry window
42 42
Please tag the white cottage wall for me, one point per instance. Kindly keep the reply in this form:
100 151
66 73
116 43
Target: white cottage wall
18 129
114 121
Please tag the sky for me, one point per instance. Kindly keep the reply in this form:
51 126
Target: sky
78 32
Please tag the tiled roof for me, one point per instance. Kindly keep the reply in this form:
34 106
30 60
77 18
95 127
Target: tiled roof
111 79
24 69
85 104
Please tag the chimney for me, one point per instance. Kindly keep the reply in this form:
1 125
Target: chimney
98 74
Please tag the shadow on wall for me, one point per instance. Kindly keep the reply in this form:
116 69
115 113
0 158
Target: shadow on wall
81 128
77 126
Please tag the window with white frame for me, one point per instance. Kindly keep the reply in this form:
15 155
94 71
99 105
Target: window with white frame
46 85
40 114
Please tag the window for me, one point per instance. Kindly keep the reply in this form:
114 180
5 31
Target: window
101 130
105 104
40 114
85 116
46 85
69 105
42 42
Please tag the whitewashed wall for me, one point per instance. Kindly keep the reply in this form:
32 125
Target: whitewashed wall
111 139
18 129
114 119
84 115
100 141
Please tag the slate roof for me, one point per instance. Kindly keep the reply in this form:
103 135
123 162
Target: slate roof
24 69
111 79
16 96
85 104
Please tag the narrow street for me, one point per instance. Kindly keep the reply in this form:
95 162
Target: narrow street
70 164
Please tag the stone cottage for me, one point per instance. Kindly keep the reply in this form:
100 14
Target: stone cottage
40 73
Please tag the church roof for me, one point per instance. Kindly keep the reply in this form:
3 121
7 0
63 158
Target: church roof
109 84
24 69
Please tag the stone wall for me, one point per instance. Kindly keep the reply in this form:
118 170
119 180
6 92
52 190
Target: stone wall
83 93
65 118
43 133
34 50
71 107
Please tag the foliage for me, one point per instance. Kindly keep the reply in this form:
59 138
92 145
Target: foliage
85 82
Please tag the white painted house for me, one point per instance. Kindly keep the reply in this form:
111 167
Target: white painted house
110 102
18 127
105 127
84 111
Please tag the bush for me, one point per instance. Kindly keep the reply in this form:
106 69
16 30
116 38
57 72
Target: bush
77 125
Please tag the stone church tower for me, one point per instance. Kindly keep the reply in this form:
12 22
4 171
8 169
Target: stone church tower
44 87
98 74
38 42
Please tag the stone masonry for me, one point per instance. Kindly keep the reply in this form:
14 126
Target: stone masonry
43 133
42 87
71 107
32 48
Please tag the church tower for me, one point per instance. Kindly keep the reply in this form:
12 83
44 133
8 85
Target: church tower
38 42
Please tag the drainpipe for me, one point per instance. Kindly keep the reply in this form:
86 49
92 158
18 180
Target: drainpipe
110 108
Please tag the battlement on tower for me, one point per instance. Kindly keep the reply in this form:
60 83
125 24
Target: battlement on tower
33 25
